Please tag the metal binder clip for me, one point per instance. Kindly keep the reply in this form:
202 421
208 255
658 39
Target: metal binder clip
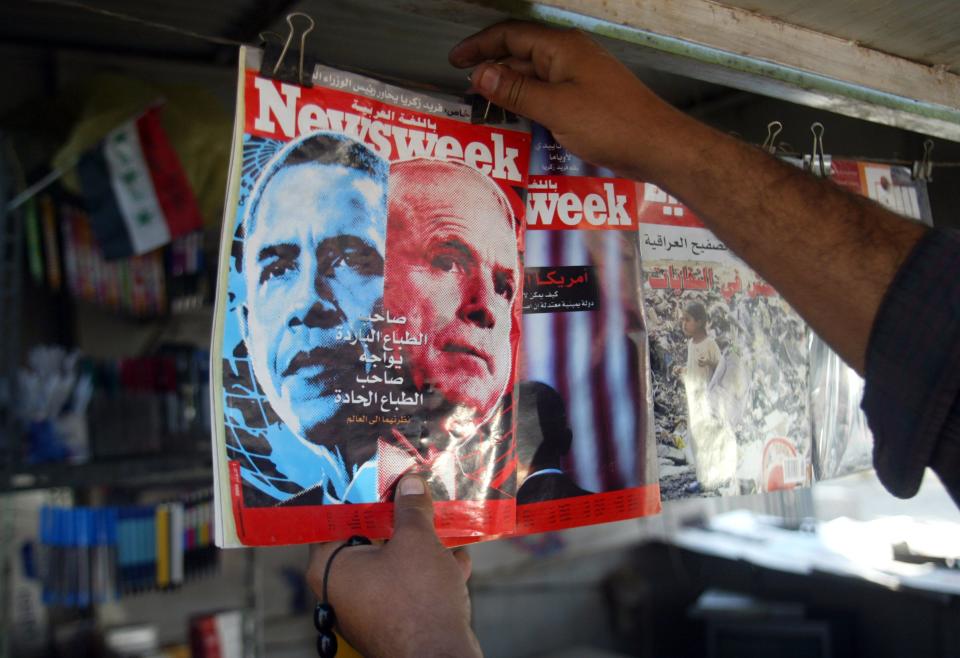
923 170
824 166
490 114
274 56
774 128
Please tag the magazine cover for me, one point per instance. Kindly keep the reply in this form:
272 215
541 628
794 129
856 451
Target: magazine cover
843 441
584 432
729 363
368 311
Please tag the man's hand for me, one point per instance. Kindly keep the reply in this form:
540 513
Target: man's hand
405 598
830 254
593 104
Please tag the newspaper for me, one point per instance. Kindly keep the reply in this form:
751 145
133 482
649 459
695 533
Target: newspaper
368 311
731 400
844 443
729 363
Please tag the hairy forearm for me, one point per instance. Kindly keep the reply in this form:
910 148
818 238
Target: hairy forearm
830 253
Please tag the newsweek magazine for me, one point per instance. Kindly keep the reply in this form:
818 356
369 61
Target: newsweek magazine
585 438
844 443
729 363
368 311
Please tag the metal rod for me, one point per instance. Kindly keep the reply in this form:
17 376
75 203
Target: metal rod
935 119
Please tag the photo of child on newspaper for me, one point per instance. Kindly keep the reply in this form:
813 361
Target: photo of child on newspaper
713 442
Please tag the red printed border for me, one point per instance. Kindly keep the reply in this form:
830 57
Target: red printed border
269 526
588 510
566 513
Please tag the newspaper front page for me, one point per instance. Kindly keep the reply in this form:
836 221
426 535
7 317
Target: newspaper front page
729 363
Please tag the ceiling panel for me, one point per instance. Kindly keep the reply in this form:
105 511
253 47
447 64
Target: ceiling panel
67 25
927 31
409 39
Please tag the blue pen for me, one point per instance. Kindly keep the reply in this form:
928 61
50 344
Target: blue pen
70 562
83 535
113 580
138 531
133 549
150 570
47 557
124 549
136 548
98 532
60 569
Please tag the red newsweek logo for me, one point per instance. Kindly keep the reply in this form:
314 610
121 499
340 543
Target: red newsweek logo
658 207
285 111
578 202
847 174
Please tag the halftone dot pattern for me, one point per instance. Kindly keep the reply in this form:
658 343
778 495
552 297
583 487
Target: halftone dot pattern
248 420
248 417
276 466
452 269
257 152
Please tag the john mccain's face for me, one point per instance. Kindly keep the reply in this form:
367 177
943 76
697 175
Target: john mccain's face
453 273
313 268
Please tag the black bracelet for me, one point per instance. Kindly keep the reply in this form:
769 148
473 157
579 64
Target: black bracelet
324 618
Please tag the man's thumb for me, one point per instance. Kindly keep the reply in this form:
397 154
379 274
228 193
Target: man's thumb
413 507
511 90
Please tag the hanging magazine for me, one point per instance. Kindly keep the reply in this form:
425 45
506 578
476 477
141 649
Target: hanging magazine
729 363
844 443
584 431
368 311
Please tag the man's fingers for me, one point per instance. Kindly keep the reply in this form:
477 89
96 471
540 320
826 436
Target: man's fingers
507 39
554 54
412 522
513 91
412 511
463 561
521 66
526 68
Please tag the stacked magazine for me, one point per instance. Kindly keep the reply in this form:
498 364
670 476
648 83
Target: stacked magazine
585 432
843 441
405 287
368 311
747 398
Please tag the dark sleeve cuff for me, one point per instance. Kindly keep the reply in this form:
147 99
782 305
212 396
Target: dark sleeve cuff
913 362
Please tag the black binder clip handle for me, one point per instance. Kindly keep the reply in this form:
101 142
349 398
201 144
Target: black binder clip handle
275 62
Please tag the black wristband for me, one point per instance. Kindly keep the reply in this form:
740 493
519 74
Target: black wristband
324 618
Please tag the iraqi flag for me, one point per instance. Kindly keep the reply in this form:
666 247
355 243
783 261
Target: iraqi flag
136 193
